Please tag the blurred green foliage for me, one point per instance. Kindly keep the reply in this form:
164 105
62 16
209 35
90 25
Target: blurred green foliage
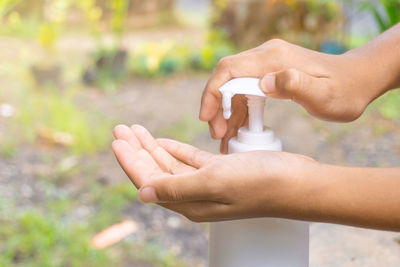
35 239
150 59
6 6
15 25
48 35
108 70
41 237
386 14
92 14
159 59
53 19
165 58
208 56
250 23
49 234
7 148
217 46
119 11
110 207
89 131
388 105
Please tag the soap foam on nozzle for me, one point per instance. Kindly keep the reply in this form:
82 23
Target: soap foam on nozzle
226 104
244 85
227 114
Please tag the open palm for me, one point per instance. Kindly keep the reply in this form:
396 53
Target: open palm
201 185
146 160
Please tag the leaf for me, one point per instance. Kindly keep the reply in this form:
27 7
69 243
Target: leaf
55 137
378 17
47 35
114 234
392 8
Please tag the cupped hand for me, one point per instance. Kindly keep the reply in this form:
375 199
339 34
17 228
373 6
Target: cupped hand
330 87
207 187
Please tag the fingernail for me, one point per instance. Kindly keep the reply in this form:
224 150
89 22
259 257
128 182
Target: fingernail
268 84
147 195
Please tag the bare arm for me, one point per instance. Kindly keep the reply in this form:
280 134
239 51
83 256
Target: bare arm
380 60
365 197
207 187
330 87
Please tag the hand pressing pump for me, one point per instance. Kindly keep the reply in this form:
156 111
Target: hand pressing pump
262 241
256 136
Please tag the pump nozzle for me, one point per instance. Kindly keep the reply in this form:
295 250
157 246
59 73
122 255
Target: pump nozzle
256 100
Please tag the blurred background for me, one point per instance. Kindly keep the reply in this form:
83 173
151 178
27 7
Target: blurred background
72 69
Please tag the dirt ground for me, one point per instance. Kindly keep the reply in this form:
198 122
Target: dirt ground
369 141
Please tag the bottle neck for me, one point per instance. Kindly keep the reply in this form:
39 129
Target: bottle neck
255 106
255 136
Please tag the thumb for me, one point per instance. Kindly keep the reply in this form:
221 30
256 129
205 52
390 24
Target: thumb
175 188
296 85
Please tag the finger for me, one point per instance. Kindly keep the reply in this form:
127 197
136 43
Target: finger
210 103
137 163
210 109
186 153
296 85
218 125
211 98
223 147
178 188
167 162
237 120
123 132
201 211
230 133
244 64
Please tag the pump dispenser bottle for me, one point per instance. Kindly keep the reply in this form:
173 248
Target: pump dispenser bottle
262 241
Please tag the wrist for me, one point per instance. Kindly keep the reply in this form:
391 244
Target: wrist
366 197
307 188
294 192
377 63
366 81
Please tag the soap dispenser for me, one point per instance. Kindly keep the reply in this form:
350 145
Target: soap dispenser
255 242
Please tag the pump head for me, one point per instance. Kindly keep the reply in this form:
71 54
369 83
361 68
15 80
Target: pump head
255 100
256 136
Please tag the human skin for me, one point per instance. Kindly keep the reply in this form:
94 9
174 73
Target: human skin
329 87
207 187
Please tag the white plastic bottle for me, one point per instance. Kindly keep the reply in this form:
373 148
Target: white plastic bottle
262 241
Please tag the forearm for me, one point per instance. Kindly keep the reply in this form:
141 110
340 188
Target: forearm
379 61
366 197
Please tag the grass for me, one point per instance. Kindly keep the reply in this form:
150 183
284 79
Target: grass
44 237
85 131
110 208
54 231
7 149
388 105
25 28
37 239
